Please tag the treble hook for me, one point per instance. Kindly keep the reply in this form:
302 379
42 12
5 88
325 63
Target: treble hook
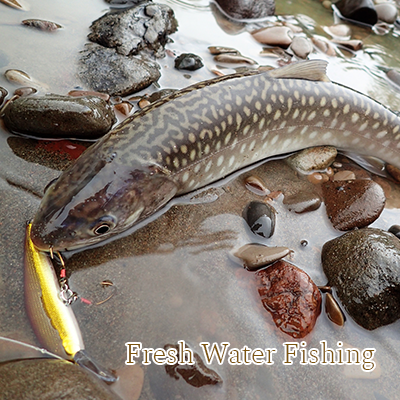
59 256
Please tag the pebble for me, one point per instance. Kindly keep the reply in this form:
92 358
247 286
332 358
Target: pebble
55 116
301 47
302 202
160 94
395 230
256 185
325 46
124 107
387 12
344 176
234 59
228 25
292 298
3 94
393 171
22 78
274 36
82 93
333 311
247 9
42 24
261 218
105 70
364 266
327 4
197 374
50 379
358 10
215 50
144 103
339 31
353 204
15 4
256 256
145 26
189 62
314 158
317 178
24 91
350 44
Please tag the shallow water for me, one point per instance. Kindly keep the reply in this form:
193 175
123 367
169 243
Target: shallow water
174 279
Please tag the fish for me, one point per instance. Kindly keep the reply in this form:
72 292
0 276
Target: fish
53 322
199 135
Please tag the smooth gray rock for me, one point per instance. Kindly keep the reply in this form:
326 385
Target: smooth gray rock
104 70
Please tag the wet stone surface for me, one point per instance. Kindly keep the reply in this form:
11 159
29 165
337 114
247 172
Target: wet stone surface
274 36
104 70
358 10
261 218
58 116
315 158
364 267
256 256
144 27
353 204
247 9
292 298
50 379
301 47
188 61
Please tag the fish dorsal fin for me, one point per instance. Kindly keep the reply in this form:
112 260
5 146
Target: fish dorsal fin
312 70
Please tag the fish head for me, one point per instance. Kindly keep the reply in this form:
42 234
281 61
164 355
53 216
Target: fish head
91 203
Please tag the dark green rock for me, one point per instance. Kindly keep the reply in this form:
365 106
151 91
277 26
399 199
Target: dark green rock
364 266
50 380
55 116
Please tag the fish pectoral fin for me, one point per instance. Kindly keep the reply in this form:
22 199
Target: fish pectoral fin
85 361
312 70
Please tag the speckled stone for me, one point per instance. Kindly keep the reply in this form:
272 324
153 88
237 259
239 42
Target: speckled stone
364 266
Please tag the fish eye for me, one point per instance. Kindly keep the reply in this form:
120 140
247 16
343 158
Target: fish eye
103 225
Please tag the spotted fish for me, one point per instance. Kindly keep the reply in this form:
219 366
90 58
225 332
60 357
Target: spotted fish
199 135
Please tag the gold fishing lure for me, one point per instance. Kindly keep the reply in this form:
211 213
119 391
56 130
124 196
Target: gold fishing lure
54 322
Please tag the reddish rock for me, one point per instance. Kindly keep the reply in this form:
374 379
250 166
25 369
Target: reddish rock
292 298
353 204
